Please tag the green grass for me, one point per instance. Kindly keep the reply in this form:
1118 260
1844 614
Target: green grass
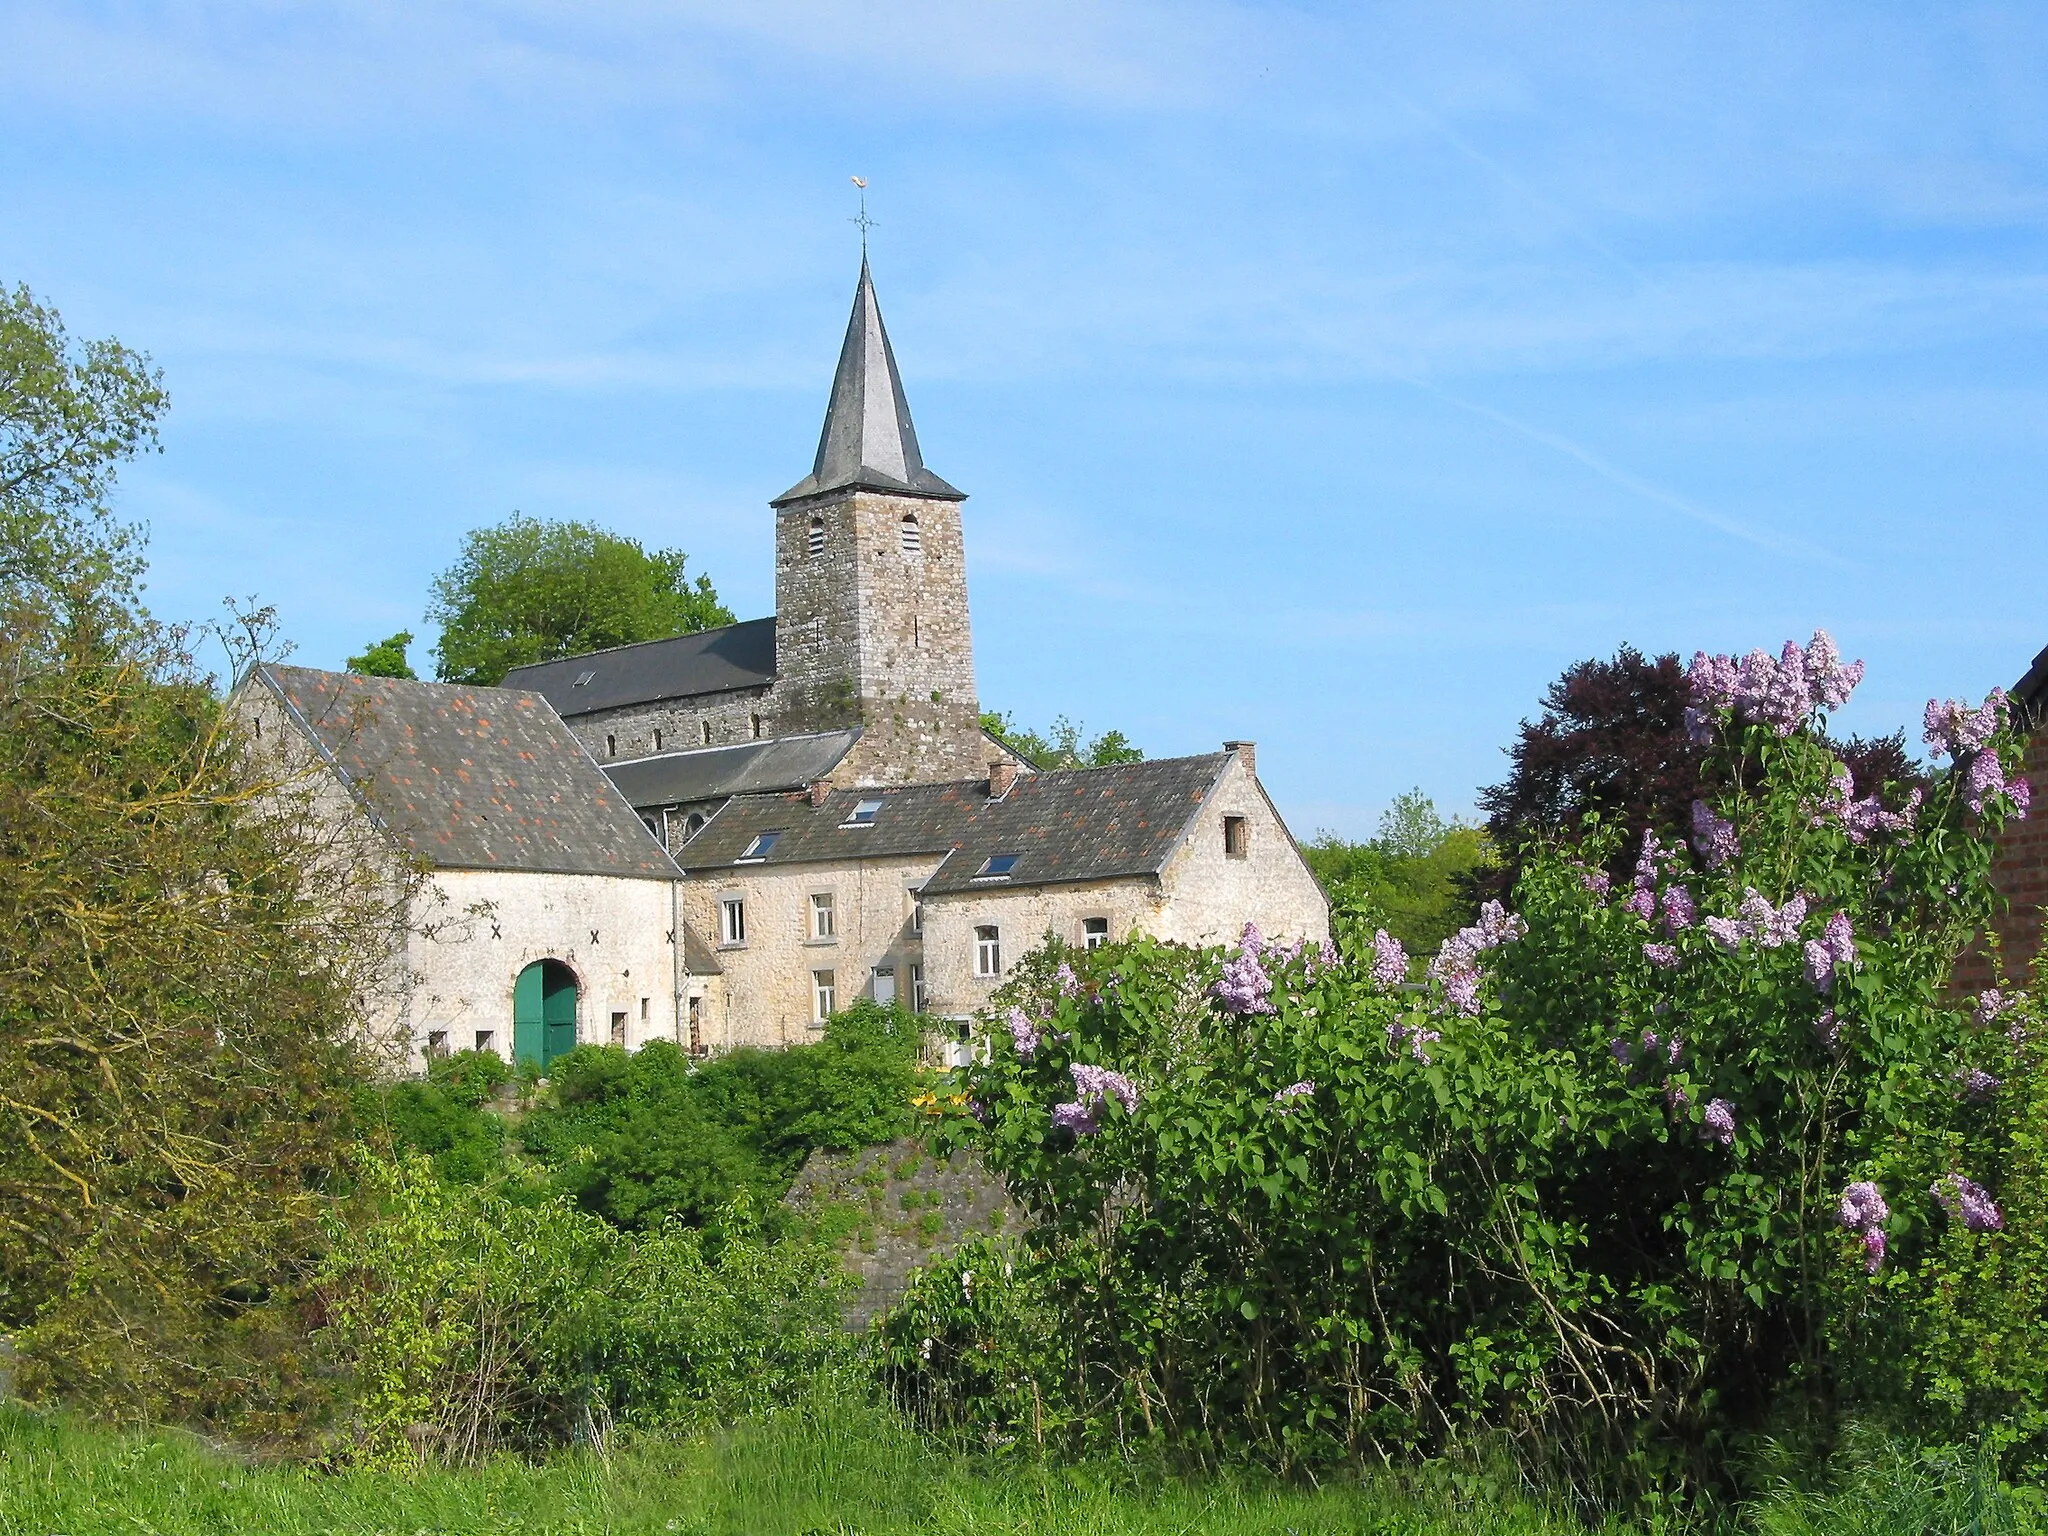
850 1470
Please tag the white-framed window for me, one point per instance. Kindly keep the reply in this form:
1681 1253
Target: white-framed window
917 989
762 845
911 537
863 814
988 951
884 985
1094 932
916 898
1237 837
824 994
732 920
824 916
817 542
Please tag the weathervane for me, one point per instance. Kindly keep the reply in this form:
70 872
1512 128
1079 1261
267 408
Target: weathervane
863 220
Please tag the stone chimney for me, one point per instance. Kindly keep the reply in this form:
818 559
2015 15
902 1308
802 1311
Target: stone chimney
819 790
1247 753
1002 773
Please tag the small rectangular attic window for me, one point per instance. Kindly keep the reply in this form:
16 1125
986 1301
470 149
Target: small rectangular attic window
760 847
997 866
582 678
863 814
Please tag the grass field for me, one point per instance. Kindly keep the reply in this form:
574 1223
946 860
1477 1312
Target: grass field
819 1474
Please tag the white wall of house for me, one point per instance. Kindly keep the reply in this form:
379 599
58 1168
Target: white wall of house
474 931
1209 893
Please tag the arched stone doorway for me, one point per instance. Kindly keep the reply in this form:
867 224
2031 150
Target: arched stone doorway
544 1012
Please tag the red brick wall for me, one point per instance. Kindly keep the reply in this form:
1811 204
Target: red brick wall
2020 872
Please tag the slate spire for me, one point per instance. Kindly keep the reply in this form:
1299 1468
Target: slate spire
868 442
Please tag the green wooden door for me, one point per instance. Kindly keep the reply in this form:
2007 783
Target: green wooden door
558 1009
529 1032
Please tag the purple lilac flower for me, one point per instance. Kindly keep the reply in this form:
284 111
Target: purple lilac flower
1713 680
1990 1004
1833 681
1596 881
1829 1028
1065 979
1951 726
1244 986
1862 1207
1327 958
1840 937
1461 991
1420 1040
1663 956
1967 1202
1725 931
1498 926
1675 1095
1987 778
1389 960
2021 794
1076 1118
1680 911
1717 1122
1977 1084
1092 1084
1287 1096
1023 1032
1643 903
1674 1050
1778 691
1713 838
1873 1251
1769 927
1820 966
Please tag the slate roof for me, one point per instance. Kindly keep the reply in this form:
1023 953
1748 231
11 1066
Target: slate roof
712 773
711 661
2032 690
868 442
470 778
1074 825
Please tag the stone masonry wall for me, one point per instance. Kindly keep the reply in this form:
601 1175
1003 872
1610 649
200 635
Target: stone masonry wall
1210 896
703 720
1022 918
768 983
2020 871
869 634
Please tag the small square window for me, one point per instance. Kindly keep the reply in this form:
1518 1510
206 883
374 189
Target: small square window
863 814
823 996
437 1042
486 1039
824 916
1237 837
988 951
997 866
762 845
732 920
1094 932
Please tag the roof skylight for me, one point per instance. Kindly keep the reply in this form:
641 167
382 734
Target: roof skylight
760 847
997 866
863 814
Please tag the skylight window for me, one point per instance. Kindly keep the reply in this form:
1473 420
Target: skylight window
583 677
760 847
863 814
997 866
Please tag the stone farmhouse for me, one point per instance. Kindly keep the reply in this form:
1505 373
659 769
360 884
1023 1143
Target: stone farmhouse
722 838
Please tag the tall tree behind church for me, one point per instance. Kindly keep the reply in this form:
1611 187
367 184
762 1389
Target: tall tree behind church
531 590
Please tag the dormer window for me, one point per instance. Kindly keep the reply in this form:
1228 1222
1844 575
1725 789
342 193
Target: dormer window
817 544
863 814
997 866
912 537
759 849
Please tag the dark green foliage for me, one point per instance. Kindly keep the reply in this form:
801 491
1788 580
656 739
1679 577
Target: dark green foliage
529 590
1413 878
642 1137
1061 746
385 658
443 1117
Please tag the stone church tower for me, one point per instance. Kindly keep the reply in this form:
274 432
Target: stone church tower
871 625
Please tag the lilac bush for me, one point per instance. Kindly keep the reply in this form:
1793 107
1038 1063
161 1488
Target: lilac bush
1647 1125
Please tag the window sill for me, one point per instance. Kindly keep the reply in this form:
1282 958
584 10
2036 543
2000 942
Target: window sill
726 948
821 943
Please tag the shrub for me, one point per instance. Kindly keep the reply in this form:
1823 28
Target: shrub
1586 1187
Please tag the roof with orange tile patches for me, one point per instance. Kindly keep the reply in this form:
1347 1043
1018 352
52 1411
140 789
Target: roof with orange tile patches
469 778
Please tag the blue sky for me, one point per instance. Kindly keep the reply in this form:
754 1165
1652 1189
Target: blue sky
1327 375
